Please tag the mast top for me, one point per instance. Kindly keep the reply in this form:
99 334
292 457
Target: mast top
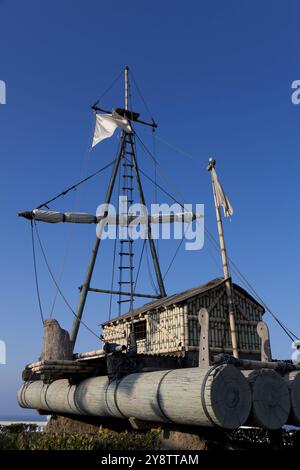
211 164
125 112
126 87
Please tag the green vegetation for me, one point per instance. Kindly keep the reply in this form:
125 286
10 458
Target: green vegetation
22 437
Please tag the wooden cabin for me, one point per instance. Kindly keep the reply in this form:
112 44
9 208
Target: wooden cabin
170 326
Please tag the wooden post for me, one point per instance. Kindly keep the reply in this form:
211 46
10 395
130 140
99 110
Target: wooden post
56 342
126 87
228 284
263 333
203 317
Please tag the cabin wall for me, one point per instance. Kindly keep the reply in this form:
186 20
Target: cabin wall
247 315
175 329
164 331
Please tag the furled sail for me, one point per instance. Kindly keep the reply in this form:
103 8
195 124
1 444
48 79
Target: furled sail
54 217
221 198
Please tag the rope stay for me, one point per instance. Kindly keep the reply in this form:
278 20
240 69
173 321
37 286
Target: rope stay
109 87
154 287
141 95
57 285
36 274
74 186
176 251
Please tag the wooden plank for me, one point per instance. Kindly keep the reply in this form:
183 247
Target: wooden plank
203 345
263 333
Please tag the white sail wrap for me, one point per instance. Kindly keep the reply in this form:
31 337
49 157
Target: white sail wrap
53 217
106 125
221 198
185 217
124 220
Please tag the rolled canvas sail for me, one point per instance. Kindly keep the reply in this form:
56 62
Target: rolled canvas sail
54 217
71 217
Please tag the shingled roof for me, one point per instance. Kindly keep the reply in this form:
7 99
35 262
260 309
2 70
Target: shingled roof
181 297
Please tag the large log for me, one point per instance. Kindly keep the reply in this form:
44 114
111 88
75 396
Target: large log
293 381
216 396
271 400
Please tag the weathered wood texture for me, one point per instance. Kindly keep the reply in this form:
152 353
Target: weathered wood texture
263 333
293 381
271 399
174 329
217 396
56 344
203 319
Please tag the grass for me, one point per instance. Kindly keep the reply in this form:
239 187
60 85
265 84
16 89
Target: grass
22 437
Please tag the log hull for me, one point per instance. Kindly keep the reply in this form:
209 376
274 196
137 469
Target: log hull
271 399
293 381
216 396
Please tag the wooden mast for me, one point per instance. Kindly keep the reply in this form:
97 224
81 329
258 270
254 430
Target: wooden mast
85 288
86 285
226 273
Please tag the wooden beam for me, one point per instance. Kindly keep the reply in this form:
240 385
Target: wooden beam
203 345
117 292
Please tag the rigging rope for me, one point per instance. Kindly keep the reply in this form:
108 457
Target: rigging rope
74 186
110 87
35 274
141 96
139 265
176 252
154 287
57 286
114 256
155 179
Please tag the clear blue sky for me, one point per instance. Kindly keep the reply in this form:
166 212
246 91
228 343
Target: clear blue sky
217 77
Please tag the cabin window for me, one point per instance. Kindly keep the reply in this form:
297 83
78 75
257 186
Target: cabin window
140 329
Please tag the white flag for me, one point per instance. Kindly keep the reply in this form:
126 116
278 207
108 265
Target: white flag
221 197
106 125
